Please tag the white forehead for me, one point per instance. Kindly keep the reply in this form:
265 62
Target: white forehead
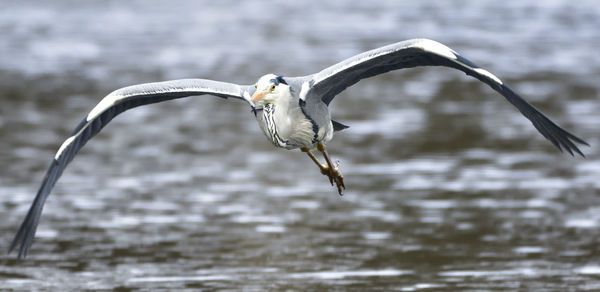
265 80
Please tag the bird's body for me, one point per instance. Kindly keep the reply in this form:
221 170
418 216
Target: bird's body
292 111
286 121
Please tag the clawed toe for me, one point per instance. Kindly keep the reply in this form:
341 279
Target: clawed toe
329 169
339 179
335 176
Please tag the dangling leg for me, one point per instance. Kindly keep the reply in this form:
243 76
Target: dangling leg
324 168
334 170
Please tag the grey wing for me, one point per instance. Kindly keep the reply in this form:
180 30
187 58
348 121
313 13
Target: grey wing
109 107
325 85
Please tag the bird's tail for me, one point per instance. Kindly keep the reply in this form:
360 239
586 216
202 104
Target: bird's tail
337 126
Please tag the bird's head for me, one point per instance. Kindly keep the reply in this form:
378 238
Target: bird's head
269 89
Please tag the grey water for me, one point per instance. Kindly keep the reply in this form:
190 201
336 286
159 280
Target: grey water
449 188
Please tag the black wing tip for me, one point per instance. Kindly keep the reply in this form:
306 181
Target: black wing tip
579 140
567 141
23 247
560 138
572 148
24 237
26 233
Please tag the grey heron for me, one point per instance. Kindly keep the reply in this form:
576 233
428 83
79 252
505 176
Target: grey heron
291 111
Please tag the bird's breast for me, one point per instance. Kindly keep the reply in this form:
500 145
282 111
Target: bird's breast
272 124
289 128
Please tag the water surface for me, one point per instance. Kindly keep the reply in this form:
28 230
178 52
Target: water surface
448 187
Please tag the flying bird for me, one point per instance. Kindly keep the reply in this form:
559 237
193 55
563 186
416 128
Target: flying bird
292 112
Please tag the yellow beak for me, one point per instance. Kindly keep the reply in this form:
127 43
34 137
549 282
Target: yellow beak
258 95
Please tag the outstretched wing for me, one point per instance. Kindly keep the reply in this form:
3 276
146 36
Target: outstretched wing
109 107
325 85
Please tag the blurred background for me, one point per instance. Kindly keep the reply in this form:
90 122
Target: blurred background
448 186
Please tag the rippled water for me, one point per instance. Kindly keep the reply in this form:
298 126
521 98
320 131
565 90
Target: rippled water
448 187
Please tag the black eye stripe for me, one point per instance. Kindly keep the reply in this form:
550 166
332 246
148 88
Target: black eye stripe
281 80
277 80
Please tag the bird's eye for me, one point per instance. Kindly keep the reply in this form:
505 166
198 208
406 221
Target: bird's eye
272 87
255 86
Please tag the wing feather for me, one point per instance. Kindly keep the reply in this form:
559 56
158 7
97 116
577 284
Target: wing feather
325 85
108 108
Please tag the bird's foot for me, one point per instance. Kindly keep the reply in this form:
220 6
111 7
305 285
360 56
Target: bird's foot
338 178
335 176
329 169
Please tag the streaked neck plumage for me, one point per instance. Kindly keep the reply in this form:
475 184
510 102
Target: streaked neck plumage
276 120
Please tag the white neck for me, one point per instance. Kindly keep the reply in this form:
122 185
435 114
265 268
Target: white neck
277 119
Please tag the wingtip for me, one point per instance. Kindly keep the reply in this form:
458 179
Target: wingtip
25 235
579 152
570 150
23 246
13 244
560 138
22 250
572 141
570 146
579 140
